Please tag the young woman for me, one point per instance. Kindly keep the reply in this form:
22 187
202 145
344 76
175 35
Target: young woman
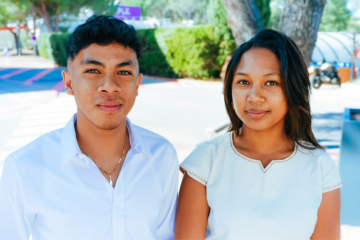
268 177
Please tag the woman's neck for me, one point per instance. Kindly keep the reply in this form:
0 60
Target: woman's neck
264 145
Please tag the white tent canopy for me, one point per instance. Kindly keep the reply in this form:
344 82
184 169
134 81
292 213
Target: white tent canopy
335 47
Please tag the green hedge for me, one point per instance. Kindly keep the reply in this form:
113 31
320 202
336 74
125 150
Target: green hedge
196 52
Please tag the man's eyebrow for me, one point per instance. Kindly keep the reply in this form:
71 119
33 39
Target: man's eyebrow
92 61
126 63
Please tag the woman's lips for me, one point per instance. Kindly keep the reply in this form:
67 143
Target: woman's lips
257 114
109 108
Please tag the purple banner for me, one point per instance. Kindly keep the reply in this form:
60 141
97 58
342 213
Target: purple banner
128 13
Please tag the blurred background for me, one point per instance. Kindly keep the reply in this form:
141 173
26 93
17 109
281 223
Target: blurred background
189 43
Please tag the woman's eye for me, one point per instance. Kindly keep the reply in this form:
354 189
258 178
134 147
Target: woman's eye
92 71
243 82
271 83
124 73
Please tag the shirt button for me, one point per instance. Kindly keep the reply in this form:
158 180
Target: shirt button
117 209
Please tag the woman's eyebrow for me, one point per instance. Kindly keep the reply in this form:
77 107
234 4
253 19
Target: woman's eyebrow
241 73
271 74
265 75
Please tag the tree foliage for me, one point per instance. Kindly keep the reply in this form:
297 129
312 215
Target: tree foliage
335 17
277 6
51 9
9 13
265 11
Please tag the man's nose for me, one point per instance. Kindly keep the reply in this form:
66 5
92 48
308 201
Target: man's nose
110 85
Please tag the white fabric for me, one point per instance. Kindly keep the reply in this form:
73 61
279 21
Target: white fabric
249 202
51 190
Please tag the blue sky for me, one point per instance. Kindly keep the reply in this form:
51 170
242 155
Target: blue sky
354 6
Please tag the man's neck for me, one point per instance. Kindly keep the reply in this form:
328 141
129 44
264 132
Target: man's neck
101 145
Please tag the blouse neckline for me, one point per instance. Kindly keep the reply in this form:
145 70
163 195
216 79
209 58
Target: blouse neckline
264 170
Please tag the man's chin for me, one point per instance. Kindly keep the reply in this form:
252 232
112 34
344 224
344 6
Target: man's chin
108 126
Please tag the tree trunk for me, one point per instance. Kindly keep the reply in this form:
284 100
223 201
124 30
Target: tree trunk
243 17
16 39
45 15
57 20
57 23
300 21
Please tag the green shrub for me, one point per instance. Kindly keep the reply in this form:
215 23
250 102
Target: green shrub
44 47
153 60
53 46
192 52
26 41
58 44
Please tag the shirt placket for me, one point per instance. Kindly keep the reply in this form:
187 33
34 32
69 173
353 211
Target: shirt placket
118 224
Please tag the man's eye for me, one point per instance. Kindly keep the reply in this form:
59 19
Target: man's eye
243 82
271 83
124 73
92 71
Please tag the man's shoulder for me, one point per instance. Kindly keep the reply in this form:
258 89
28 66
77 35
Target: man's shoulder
35 150
152 137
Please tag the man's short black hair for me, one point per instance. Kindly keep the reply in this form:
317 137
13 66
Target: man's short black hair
103 30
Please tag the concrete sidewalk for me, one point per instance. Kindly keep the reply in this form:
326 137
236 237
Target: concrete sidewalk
26 62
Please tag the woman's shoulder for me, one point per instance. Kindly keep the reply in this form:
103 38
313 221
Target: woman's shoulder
199 162
309 151
214 143
328 170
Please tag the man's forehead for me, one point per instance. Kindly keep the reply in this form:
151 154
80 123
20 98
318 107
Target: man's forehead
111 52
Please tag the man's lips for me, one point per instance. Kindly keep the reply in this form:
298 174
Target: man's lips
256 113
109 107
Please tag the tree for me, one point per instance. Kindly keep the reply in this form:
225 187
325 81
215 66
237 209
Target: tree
190 9
216 13
277 7
335 17
265 11
300 21
243 17
54 8
10 13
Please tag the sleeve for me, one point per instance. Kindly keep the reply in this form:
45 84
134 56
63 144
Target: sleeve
14 222
167 214
330 175
198 164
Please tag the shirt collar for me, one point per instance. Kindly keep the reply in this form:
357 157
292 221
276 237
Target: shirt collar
137 141
70 147
68 142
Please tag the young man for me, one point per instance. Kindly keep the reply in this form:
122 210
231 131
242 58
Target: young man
100 177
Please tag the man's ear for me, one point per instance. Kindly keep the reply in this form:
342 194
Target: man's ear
67 82
138 82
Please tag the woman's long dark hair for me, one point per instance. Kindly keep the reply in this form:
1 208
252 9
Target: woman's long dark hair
296 85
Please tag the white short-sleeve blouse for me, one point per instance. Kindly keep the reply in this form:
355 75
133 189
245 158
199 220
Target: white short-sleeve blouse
249 202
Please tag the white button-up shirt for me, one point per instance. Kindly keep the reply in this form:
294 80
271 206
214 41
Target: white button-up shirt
50 190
